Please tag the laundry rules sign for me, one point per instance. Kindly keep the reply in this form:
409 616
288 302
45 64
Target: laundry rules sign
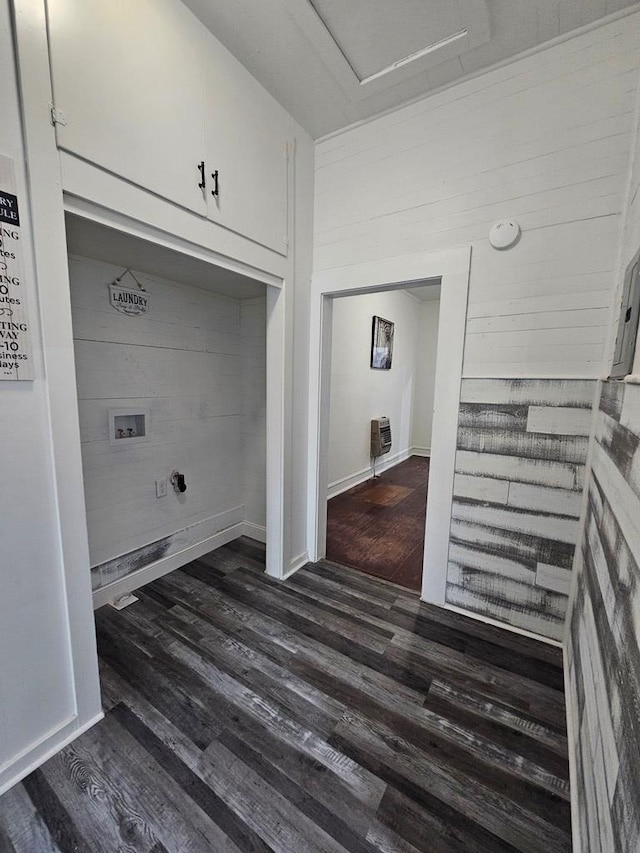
16 361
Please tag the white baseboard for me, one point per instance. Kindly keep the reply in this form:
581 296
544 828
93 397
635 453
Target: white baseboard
420 451
382 464
165 565
255 531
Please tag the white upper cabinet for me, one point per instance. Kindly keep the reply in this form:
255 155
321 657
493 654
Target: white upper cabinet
148 94
128 81
247 146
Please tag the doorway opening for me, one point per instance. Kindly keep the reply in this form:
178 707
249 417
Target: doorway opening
450 269
377 490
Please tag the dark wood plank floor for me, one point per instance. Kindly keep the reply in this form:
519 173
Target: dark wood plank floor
378 526
332 712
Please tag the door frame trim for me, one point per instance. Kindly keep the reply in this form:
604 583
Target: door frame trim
452 267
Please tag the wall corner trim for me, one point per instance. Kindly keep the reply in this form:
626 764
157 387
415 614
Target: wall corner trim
571 742
296 564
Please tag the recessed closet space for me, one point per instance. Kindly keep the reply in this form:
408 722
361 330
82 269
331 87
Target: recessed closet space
170 355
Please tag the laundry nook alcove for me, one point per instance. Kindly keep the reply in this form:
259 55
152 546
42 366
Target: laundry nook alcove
174 383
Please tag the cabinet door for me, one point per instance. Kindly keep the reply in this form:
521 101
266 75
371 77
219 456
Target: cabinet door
127 78
246 137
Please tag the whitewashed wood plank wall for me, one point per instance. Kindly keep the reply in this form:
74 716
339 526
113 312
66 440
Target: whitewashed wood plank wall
517 492
603 643
200 371
546 140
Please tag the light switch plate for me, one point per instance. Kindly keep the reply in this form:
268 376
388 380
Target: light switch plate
161 488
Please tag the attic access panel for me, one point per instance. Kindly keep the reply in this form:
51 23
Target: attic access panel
370 45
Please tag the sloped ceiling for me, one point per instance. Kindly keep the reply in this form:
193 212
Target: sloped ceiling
333 62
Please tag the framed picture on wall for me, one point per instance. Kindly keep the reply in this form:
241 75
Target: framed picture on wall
381 344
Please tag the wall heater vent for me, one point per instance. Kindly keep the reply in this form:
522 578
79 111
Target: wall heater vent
380 436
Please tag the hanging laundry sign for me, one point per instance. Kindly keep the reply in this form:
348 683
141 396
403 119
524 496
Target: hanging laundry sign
128 301
15 330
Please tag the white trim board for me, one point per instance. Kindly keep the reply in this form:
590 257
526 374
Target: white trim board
452 268
151 234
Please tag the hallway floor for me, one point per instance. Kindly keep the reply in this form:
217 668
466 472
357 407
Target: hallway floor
378 526
331 712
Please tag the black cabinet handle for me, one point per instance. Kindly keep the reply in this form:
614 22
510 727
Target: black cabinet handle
214 175
200 168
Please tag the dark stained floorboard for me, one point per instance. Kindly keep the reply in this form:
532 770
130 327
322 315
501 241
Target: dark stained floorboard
331 712
378 526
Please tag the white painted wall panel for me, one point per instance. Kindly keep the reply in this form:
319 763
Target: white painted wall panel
200 371
631 230
545 500
546 140
481 488
543 624
553 578
425 359
404 394
559 420
48 671
560 529
492 563
555 474
515 392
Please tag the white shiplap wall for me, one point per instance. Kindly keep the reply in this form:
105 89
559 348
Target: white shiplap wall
253 338
404 394
631 226
545 140
183 361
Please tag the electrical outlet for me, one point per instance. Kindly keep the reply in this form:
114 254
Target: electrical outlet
161 488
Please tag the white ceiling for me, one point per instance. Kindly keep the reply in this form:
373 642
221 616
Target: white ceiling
91 240
334 62
393 32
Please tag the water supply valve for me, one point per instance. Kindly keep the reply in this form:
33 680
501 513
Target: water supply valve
177 481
